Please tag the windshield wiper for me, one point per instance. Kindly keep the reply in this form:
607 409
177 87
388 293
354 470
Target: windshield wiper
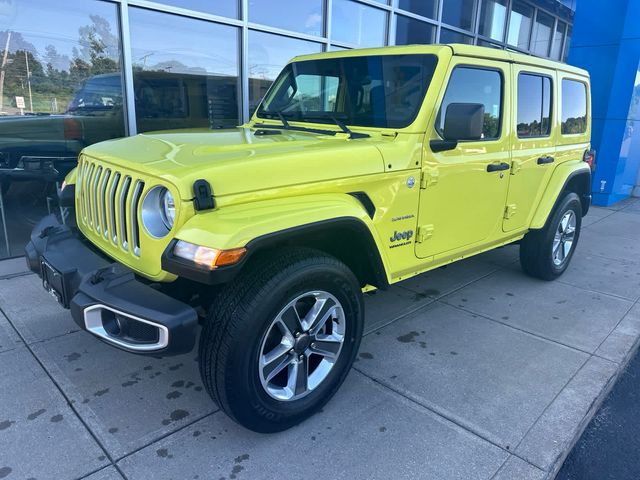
346 129
284 121
286 126
340 124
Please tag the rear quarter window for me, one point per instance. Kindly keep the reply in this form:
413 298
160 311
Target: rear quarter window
574 107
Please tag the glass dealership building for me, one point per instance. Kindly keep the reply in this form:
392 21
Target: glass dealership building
75 72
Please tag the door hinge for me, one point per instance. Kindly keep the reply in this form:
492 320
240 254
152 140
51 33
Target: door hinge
516 165
425 232
510 211
429 178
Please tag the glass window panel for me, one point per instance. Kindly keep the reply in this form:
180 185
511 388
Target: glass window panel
268 53
541 37
358 24
180 83
426 8
484 43
567 44
574 107
451 36
493 15
534 105
459 13
225 8
62 91
305 16
520 25
410 31
556 46
475 85
383 91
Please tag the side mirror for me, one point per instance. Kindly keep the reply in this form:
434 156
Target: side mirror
462 121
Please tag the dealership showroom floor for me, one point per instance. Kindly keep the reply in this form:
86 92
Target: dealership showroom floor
473 371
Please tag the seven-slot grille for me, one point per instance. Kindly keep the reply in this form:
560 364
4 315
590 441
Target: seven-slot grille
109 201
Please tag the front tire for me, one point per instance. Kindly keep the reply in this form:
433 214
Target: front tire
546 253
280 339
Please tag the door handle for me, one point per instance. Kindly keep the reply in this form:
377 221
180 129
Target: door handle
496 167
544 160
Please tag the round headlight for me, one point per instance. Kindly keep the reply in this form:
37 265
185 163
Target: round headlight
168 209
158 212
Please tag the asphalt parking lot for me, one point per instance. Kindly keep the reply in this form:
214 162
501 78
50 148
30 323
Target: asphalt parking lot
473 371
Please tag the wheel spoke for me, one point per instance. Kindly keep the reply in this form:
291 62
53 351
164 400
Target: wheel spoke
566 248
326 346
315 319
299 375
291 320
275 361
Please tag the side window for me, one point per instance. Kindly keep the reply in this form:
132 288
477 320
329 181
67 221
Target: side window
534 105
475 85
574 107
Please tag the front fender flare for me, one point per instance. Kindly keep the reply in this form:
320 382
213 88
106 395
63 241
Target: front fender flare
261 225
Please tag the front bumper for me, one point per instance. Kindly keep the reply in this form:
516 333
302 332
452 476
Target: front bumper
105 298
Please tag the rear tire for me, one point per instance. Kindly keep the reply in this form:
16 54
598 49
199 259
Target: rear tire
255 319
546 253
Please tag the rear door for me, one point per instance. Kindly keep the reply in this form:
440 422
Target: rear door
532 142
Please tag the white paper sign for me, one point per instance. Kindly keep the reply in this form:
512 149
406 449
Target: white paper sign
20 102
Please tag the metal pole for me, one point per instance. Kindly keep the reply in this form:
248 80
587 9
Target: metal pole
26 60
4 62
4 224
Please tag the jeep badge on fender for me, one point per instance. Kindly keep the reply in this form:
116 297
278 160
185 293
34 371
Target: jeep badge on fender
260 240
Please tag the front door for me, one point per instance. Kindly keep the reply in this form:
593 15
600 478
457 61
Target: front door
533 145
464 190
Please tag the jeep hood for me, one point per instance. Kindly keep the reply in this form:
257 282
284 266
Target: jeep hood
238 161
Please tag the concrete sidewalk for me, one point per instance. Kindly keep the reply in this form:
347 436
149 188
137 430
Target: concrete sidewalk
473 371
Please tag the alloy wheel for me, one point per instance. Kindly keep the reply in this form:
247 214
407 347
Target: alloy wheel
301 345
564 238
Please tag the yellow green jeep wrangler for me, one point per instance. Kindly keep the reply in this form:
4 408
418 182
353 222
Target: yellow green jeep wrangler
358 170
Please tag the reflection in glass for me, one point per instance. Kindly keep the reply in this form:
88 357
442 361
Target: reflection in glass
180 83
519 25
358 24
475 85
225 8
574 107
459 13
556 45
493 15
426 8
567 43
305 16
534 105
410 31
268 53
451 36
541 37
60 90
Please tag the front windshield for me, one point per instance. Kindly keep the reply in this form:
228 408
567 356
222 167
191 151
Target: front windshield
383 91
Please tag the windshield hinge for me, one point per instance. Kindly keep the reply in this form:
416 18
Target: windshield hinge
429 178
